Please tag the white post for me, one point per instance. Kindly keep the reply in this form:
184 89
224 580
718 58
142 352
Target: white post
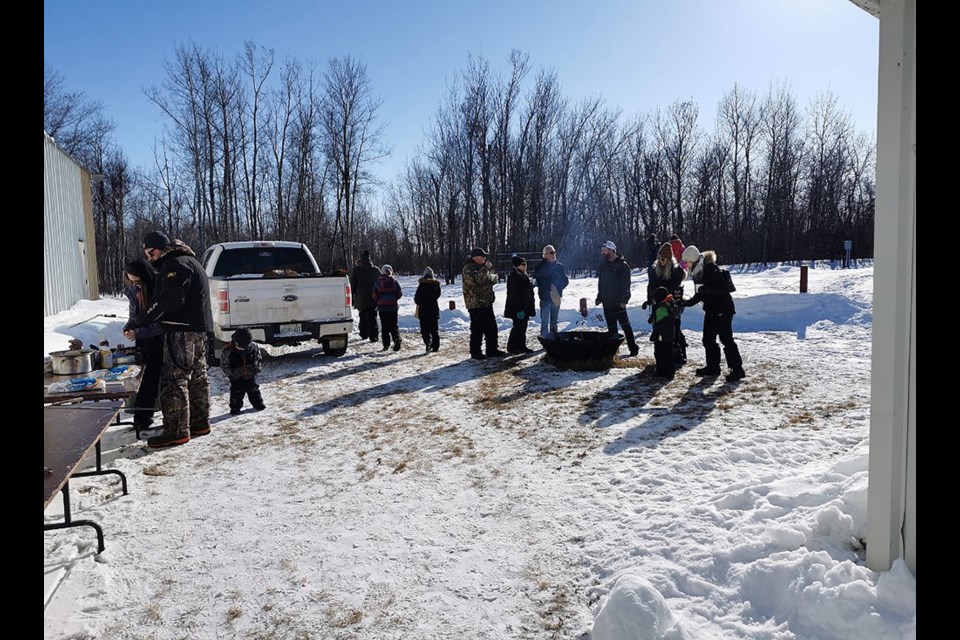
891 512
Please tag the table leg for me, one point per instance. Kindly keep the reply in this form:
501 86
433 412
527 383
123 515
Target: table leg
67 522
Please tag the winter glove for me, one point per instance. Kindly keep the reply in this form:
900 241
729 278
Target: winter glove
645 304
597 301
521 315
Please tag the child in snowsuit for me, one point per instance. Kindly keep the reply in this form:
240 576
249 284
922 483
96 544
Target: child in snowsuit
428 309
665 314
241 360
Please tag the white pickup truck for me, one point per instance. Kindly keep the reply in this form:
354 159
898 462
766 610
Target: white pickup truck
276 290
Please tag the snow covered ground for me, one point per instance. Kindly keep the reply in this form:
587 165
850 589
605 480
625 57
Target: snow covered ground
411 495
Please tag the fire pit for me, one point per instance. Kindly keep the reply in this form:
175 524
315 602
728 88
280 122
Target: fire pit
582 345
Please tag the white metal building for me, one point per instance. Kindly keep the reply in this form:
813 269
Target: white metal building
69 248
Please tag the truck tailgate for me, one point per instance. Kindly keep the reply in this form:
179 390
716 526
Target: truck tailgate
280 300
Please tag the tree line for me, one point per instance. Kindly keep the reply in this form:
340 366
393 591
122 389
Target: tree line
253 148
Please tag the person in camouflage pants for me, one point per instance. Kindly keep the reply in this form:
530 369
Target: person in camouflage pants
478 296
184 384
181 305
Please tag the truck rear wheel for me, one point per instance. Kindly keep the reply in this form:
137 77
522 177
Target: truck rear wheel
335 346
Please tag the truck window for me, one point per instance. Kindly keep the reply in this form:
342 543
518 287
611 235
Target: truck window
259 260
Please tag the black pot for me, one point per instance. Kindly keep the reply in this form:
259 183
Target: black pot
582 345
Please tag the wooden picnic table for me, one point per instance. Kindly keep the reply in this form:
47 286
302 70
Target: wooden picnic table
70 432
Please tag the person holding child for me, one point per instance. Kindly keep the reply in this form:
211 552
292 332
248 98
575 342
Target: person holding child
428 309
241 360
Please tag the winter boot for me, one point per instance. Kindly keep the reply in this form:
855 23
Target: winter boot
736 374
167 439
708 371
199 428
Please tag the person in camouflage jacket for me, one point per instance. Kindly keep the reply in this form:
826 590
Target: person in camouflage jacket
478 295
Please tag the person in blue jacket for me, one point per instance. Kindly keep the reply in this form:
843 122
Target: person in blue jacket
551 278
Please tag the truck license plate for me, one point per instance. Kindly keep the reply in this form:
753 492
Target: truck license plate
290 328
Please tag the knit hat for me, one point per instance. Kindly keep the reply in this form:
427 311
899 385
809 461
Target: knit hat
709 257
665 251
477 252
691 254
428 273
386 270
609 245
156 240
660 294
242 338
517 261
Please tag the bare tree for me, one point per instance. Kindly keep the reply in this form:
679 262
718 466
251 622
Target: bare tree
185 99
739 126
352 141
679 137
75 122
256 65
783 150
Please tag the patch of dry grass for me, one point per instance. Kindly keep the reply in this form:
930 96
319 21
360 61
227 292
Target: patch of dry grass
155 470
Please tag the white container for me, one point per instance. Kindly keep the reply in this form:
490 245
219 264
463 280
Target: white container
106 358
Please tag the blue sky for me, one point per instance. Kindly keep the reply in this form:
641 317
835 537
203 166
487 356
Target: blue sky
637 54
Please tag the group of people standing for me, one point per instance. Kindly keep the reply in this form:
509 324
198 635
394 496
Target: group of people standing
672 263
376 293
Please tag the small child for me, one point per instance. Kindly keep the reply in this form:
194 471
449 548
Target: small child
428 309
664 318
241 360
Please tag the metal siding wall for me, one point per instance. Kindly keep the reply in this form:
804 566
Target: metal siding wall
65 279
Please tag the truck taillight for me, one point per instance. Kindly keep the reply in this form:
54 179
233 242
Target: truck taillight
223 300
346 290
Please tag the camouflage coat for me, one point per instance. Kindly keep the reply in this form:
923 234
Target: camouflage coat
478 281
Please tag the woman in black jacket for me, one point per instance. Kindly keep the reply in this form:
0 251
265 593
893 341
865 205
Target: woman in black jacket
666 272
718 312
520 306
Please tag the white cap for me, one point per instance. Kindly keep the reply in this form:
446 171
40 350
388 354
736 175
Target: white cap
691 254
609 245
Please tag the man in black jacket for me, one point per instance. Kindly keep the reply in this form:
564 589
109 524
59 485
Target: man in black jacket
181 305
614 293
362 279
